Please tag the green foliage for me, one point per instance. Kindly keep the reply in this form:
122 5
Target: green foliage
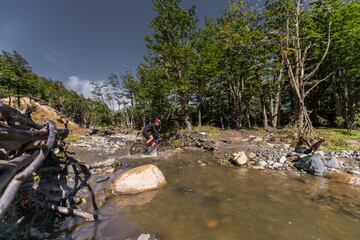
17 79
229 72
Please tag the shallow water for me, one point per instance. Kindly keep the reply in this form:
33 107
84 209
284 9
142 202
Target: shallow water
216 202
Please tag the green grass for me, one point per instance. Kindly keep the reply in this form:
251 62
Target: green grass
73 138
340 139
213 132
175 143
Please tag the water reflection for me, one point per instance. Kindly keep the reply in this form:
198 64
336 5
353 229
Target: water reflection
216 202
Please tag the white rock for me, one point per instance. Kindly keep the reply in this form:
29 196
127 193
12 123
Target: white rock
354 172
240 158
257 139
285 145
320 153
282 160
140 179
262 163
277 165
146 237
251 155
110 170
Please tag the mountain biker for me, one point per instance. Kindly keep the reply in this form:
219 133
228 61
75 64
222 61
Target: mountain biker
150 132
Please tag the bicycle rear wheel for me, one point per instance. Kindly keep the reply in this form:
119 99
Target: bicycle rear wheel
138 148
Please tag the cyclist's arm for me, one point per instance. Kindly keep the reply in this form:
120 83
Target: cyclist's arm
156 132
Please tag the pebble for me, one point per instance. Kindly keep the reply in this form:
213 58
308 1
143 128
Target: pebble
282 160
278 165
262 163
251 155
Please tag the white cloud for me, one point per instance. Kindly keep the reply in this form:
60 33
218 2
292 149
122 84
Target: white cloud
78 85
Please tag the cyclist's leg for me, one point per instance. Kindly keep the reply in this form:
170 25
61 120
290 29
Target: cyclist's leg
149 140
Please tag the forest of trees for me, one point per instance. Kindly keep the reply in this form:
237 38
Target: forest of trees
287 63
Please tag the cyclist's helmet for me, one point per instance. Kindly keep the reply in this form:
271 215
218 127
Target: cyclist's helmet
157 121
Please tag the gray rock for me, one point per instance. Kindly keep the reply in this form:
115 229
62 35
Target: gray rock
100 178
313 164
302 149
332 163
108 163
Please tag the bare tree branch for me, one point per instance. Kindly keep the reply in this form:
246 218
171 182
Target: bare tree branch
308 76
76 212
317 82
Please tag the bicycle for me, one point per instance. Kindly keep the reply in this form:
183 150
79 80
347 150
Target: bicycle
143 148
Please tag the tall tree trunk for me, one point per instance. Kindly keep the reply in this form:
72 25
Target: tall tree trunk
199 113
247 115
185 113
199 118
143 121
222 123
338 105
276 105
264 113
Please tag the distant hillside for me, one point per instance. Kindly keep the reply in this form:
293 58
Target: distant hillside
17 80
41 112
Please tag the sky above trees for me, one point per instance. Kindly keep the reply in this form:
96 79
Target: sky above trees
81 41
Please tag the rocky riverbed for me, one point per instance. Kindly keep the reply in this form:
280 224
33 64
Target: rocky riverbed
104 164
105 155
208 196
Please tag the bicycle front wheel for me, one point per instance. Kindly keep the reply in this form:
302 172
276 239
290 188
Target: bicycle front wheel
138 148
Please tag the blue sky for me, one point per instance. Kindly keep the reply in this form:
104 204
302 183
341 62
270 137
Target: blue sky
78 41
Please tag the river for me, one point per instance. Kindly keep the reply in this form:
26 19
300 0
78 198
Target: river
224 203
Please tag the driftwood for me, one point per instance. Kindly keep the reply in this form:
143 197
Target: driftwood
24 147
312 147
16 182
8 169
15 118
76 212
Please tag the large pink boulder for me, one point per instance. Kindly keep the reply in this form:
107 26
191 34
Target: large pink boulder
139 179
